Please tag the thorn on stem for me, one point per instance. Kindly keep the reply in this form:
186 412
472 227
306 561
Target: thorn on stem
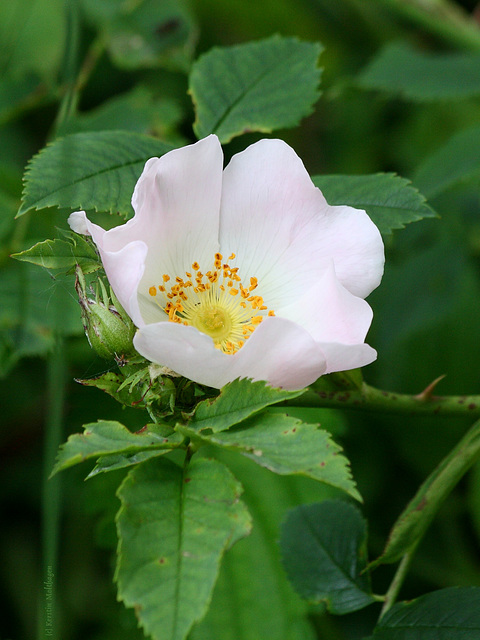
427 393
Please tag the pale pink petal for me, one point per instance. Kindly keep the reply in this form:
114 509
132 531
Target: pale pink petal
342 357
329 312
278 351
282 353
283 231
177 205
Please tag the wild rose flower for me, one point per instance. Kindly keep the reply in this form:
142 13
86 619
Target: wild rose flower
242 272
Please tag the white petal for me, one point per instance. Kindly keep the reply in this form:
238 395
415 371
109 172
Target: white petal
283 231
329 312
278 351
78 222
124 267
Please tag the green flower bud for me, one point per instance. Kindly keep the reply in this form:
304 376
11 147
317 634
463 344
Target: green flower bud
108 328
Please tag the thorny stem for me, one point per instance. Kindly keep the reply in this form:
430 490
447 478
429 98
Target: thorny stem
367 398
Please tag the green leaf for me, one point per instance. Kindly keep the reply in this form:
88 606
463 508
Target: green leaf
324 553
420 511
286 446
448 614
107 437
147 33
89 171
237 401
454 163
60 254
174 526
402 70
390 201
258 86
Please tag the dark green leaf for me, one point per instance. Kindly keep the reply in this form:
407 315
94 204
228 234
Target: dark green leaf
286 446
402 70
236 402
324 553
258 86
173 528
455 162
390 201
107 437
89 171
448 614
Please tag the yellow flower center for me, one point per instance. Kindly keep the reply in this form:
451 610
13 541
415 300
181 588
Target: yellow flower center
216 303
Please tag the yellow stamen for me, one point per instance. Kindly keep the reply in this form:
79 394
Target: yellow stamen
210 304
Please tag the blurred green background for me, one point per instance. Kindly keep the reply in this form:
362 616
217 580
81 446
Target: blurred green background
134 75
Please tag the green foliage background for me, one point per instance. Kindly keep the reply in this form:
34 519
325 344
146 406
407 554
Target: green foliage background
370 118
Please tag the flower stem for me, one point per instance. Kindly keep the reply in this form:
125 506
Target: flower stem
51 491
367 398
396 584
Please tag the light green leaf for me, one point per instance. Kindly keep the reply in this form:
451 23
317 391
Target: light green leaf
448 614
390 201
258 86
325 556
89 171
455 162
60 254
122 460
147 33
174 526
286 446
137 390
107 437
236 402
402 70
420 511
